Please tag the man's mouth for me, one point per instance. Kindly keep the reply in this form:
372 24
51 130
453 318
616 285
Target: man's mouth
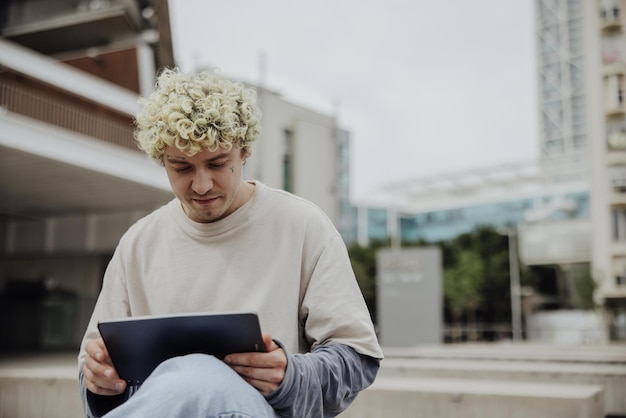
205 200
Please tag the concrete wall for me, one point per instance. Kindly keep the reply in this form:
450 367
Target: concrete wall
610 377
462 381
427 398
36 387
36 398
601 365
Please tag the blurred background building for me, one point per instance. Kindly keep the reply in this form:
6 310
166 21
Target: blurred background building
304 152
568 208
71 177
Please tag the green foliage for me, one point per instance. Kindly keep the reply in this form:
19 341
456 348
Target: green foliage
481 252
363 261
364 265
463 283
582 288
476 274
476 277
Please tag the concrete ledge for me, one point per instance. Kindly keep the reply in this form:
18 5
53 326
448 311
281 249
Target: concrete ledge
40 386
612 377
45 386
36 397
526 351
401 397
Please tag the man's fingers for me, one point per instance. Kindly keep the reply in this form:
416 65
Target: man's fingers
97 350
103 380
101 385
98 368
270 345
274 359
261 385
271 375
265 371
99 374
102 391
264 380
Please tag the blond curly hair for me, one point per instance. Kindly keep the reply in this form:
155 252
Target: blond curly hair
197 111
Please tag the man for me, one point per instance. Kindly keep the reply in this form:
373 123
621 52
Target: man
225 244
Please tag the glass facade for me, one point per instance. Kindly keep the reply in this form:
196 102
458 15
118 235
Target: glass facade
441 225
377 229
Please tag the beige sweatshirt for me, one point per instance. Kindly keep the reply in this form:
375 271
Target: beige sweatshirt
278 255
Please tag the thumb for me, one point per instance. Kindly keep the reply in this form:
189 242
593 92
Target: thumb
270 345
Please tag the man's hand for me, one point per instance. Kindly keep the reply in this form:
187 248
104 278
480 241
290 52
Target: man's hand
100 376
264 371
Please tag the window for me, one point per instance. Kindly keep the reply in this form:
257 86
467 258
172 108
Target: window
614 89
619 224
610 10
288 161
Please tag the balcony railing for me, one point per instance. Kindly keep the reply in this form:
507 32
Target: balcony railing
610 18
64 113
53 27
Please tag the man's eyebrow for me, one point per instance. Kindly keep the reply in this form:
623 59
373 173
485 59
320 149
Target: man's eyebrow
220 156
182 159
175 158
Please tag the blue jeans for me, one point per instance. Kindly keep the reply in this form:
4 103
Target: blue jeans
195 386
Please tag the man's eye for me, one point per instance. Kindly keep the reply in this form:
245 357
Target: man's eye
182 169
217 165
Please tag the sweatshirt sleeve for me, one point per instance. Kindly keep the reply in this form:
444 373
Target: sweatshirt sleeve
324 382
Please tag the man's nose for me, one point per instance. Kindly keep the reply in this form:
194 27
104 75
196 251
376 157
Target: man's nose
202 182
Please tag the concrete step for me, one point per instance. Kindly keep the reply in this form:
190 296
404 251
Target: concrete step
612 377
34 397
614 353
410 397
39 386
410 386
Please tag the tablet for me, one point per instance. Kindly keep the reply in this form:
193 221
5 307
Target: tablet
137 345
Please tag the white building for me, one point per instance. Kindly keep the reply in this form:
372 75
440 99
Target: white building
302 151
606 126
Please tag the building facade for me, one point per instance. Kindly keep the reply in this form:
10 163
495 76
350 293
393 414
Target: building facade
568 206
71 177
304 152
442 207
606 43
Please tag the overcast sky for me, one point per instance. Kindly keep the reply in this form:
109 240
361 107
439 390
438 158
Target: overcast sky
424 86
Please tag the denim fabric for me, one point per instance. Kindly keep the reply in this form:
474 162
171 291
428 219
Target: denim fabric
194 386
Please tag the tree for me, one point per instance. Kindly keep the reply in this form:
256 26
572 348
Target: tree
476 282
582 288
489 249
463 285
363 260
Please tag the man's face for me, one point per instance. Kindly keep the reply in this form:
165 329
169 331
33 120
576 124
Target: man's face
208 184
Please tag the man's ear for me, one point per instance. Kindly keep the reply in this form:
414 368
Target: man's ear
245 153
